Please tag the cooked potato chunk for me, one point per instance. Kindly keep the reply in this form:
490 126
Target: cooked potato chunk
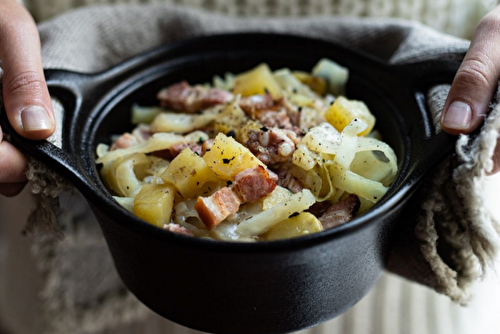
317 84
188 172
227 157
230 119
257 81
154 202
302 224
343 111
279 195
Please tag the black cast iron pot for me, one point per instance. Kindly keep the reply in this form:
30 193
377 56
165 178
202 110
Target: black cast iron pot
223 287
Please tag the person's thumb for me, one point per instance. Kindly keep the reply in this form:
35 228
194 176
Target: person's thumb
25 94
476 80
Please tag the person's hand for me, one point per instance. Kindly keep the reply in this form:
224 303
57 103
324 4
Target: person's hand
25 94
475 82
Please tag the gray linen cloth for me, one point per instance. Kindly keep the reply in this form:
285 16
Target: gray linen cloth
82 291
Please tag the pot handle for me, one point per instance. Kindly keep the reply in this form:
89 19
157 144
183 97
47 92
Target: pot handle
435 145
66 87
78 93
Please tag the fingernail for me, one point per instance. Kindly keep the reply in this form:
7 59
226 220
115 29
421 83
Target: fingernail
458 116
35 118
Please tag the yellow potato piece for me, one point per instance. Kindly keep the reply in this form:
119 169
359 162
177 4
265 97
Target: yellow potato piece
227 157
188 172
230 119
257 81
317 84
154 202
301 100
279 195
343 111
302 224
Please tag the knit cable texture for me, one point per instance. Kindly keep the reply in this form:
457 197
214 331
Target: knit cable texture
457 17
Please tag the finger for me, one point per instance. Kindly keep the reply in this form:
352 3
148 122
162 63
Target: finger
476 80
11 189
13 163
25 92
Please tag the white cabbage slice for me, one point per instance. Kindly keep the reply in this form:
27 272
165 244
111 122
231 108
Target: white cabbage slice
157 142
356 184
181 122
323 138
335 75
263 221
289 82
185 215
349 142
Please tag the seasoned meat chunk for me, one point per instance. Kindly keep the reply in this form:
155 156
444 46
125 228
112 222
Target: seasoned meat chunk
175 150
140 134
217 207
124 141
183 97
252 184
176 228
178 148
272 146
287 180
250 104
340 212
273 176
274 118
292 111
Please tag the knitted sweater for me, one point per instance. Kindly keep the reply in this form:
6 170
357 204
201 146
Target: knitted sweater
456 17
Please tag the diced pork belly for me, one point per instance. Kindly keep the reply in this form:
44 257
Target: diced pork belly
124 141
138 135
274 118
175 150
272 114
176 228
272 146
273 176
217 207
319 208
288 181
292 111
183 97
340 212
252 184
178 148
250 104
142 132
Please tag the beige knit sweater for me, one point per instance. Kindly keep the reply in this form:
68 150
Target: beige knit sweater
456 17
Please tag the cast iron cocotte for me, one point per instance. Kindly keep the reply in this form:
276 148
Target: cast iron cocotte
223 287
